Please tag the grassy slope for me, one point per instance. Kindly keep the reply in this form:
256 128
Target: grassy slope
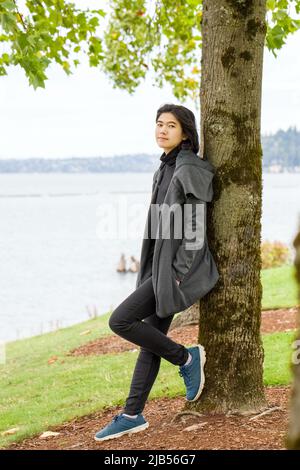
35 395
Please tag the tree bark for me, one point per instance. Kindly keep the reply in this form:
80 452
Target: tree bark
293 438
190 316
233 35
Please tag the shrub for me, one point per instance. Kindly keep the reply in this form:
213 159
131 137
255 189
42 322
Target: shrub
274 254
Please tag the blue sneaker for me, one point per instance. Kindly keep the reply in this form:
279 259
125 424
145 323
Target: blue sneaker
193 373
121 425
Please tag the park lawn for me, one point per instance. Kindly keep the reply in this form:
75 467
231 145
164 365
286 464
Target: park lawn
36 395
279 287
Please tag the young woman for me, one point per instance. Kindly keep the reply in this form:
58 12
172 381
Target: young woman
175 270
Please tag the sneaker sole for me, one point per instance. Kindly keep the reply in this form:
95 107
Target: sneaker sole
202 375
142 427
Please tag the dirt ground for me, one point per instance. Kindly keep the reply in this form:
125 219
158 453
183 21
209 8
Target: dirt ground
264 431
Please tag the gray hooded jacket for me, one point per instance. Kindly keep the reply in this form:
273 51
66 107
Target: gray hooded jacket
181 250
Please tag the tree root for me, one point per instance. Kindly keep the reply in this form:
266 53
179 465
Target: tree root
262 412
266 412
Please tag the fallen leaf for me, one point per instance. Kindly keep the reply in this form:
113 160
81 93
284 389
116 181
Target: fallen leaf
194 427
86 332
52 359
48 434
10 431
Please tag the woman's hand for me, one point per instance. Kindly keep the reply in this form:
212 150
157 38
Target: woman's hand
178 282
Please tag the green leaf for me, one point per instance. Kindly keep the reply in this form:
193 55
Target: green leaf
8 5
99 12
271 4
8 22
5 58
2 70
94 22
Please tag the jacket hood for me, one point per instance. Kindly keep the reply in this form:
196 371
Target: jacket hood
194 175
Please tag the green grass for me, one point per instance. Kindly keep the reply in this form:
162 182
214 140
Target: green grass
35 395
278 354
279 287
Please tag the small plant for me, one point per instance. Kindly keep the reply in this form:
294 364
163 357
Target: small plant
274 254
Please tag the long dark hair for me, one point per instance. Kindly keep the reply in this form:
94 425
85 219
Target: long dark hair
188 124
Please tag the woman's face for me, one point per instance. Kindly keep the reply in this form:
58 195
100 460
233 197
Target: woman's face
168 132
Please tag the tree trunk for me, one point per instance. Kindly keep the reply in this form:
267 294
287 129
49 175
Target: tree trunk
230 315
190 316
293 439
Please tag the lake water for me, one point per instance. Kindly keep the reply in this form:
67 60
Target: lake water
57 259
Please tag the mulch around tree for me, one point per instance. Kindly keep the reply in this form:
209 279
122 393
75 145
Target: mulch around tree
213 431
208 432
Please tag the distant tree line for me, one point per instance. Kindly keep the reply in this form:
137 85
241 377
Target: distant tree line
124 163
281 151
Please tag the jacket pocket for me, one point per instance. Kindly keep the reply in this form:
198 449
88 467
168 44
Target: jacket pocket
194 228
190 271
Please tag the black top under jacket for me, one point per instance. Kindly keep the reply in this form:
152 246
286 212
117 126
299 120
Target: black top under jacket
166 168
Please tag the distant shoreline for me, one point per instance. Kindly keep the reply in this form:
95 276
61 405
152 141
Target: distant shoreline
139 169
280 154
139 163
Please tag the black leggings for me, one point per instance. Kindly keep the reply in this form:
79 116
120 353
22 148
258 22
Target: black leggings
150 334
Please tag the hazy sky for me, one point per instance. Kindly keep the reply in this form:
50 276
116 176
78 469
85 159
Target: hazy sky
83 116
